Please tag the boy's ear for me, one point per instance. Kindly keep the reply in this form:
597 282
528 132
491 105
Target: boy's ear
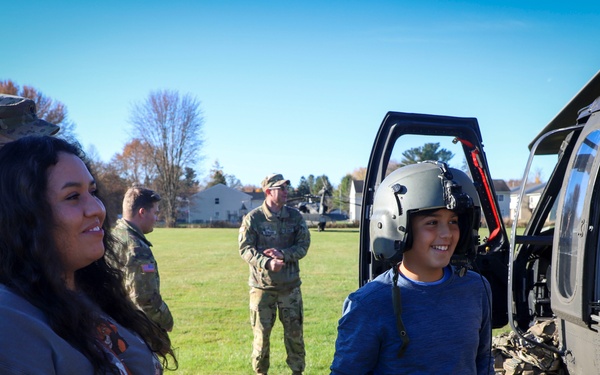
141 211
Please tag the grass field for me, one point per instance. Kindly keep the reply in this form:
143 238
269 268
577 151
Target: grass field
204 282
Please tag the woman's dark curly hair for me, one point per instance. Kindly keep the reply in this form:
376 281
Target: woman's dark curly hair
30 263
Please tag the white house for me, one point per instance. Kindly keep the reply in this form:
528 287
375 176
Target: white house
258 197
355 199
503 198
531 198
222 203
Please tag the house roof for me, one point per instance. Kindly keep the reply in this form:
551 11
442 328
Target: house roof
500 185
529 189
358 185
220 188
535 188
256 196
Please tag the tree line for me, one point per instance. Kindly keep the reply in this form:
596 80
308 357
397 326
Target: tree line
337 197
167 142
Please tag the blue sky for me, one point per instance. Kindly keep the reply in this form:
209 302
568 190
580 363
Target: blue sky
301 87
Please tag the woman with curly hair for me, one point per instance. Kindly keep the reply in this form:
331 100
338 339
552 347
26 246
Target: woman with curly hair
63 308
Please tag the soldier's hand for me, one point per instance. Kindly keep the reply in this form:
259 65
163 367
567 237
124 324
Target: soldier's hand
273 253
275 265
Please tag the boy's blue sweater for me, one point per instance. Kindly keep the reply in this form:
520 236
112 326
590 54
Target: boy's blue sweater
448 325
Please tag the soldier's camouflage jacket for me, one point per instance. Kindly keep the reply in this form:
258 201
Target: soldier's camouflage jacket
142 281
286 232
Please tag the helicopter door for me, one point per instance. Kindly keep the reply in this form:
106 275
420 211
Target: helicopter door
575 276
398 134
575 265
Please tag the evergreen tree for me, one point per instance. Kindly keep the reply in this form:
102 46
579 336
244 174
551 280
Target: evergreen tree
429 151
216 175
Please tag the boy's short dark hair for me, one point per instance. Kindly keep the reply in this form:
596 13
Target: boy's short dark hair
138 197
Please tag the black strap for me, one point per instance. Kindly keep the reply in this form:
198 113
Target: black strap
398 312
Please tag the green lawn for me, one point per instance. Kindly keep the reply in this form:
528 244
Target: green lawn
204 281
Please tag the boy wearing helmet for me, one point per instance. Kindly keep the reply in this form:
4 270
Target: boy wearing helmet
424 315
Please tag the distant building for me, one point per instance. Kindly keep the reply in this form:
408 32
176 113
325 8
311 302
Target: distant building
530 201
355 199
503 197
222 203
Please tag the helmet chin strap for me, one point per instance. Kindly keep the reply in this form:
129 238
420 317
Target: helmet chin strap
397 301
398 312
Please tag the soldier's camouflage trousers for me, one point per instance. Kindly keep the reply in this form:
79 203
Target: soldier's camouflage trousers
264 306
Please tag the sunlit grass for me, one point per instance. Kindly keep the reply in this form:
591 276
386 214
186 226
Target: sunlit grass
204 281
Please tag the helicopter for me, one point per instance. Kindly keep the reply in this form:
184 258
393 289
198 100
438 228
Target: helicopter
315 209
550 270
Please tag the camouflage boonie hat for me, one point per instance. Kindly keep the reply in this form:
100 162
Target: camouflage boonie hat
18 118
273 180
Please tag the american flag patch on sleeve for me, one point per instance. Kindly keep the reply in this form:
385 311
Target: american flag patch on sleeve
148 267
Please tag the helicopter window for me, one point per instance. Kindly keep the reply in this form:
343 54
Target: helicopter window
571 231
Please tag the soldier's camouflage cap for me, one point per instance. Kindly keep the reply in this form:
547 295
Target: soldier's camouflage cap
18 118
274 180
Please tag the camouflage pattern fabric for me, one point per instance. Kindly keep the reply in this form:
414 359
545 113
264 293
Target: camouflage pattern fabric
273 292
18 118
286 232
142 280
264 306
514 356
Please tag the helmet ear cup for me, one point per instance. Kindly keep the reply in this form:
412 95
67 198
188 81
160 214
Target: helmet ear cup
387 239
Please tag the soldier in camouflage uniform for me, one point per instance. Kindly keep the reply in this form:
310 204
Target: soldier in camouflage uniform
140 207
272 239
18 119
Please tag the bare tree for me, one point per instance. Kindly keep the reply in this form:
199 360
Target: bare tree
250 188
538 174
359 173
171 125
46 108
233 182
111 187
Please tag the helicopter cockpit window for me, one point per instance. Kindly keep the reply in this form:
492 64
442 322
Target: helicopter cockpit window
573 224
